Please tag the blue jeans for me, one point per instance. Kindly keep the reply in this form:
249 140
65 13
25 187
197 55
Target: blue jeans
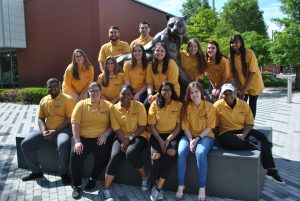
203 147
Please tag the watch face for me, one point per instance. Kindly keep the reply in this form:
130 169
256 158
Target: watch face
130 137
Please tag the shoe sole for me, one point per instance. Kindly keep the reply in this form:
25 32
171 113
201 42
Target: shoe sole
271 178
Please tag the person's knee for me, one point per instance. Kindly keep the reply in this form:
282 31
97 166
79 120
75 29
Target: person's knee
155 156
171 152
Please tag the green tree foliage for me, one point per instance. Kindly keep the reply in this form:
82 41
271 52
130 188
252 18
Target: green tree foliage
202 24
286 46
259 44
190 7
243 15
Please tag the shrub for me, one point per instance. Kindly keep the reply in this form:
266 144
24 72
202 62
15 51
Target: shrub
26 95
32 95
277 82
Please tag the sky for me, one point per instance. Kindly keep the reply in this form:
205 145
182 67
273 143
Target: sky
271 9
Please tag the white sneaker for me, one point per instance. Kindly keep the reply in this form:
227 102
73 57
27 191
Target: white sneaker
145 184
154 194
107 195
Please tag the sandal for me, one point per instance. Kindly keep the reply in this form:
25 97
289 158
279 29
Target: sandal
179 193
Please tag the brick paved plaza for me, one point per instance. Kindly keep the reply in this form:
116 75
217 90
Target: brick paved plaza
273 110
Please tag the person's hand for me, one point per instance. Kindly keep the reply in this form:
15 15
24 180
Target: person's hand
193 144
78 148
101 139
49 134
241 136
166 143
124 144
162 145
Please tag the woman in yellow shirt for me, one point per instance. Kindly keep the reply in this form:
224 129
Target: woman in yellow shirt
161 68
135 72
111 80
247 75
193 60
78 76
218 69
128 120
92 133
164 122
198 120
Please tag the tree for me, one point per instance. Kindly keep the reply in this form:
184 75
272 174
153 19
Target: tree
202 24
286 46
244 15
190 7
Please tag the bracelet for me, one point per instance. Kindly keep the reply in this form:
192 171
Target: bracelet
76 141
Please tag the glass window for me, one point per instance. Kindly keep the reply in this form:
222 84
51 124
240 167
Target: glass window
8 69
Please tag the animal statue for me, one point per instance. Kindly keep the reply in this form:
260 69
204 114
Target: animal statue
171 36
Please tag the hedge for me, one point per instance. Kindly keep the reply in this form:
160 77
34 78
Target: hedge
31 95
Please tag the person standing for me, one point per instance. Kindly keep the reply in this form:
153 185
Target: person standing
247 75
54 116
115 47
144 29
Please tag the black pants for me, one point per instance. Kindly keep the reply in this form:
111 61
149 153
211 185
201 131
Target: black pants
252 103
160 167
101 155
229 141
133 154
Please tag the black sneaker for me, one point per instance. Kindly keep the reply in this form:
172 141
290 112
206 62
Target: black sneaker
90 185
33 176
273 175
77 192
66 180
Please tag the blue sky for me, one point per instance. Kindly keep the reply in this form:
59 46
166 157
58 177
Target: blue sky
271 9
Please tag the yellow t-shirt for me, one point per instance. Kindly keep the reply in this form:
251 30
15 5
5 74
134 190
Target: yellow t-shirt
93 122
200 118
190 65
216 73
56 111
129 120
140 40
136 76
165 118
228 119
86 77
109 49
112 91
256 85
171 75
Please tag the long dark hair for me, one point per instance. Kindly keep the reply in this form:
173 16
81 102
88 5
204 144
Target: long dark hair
160 100
165 60
74 65
105 80
144 57
188 100
243 54
219 55
200 55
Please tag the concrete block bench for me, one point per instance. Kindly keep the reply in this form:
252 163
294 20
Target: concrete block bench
231 174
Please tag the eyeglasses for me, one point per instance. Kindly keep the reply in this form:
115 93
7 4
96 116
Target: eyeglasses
94 91
79 56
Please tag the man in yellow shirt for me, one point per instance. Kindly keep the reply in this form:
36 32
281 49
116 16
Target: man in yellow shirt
54 116
144 28
235 123
115 47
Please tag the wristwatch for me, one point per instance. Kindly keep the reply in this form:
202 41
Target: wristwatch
130 137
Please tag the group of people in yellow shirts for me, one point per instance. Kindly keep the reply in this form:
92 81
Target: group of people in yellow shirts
128 108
